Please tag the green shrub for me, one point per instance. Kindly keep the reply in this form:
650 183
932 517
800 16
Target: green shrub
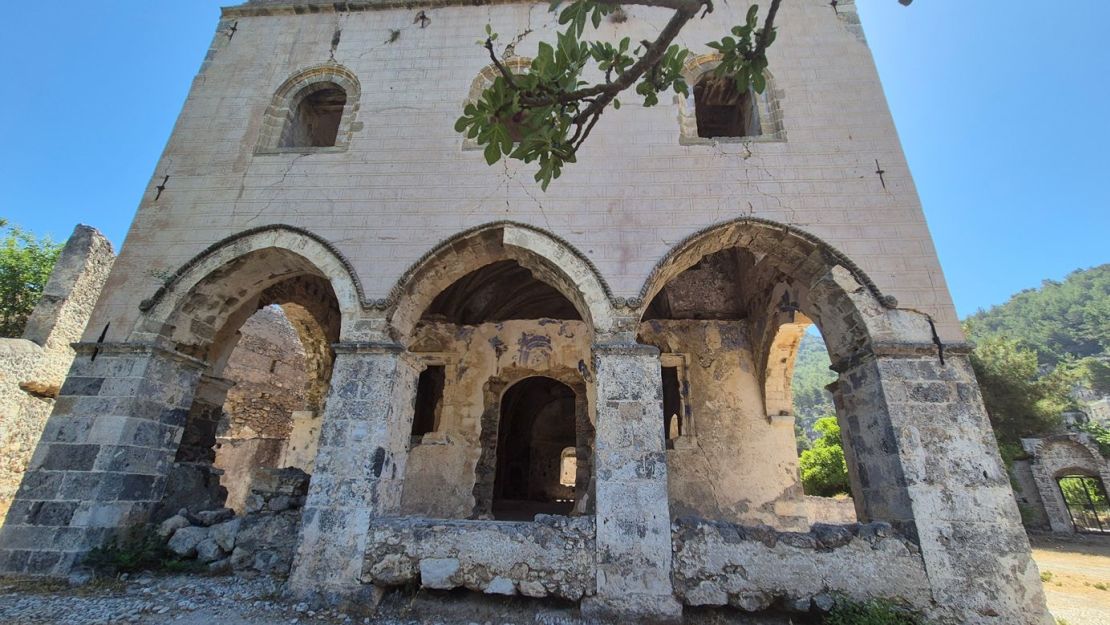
874 612
141 549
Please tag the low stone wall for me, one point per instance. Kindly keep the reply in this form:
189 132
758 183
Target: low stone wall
550 557
755 568
835 510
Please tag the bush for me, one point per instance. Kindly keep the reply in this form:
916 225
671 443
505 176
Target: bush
141 549
874 612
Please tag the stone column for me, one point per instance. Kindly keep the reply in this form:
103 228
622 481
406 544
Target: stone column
359 469
633 515
976 552
102 461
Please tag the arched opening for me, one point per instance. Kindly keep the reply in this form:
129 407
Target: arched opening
264 322
1086 500
736 303
537 424
723 110
492 310
315 117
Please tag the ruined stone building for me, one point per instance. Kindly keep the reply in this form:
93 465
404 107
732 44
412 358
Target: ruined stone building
580 394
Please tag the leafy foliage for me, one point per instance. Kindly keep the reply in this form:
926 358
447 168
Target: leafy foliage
139 549
1018 401
1101 435
1057 321
824 472
875 612
545 114
25 265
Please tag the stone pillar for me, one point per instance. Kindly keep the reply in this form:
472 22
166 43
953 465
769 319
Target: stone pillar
102 461
633 513
359 469
976 552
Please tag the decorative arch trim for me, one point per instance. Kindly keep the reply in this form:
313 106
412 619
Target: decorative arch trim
326 257
768 105
288 96
590 291
658 276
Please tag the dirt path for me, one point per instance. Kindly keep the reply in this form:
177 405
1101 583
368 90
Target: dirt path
1076 575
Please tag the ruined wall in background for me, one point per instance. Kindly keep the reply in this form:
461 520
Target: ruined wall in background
268 369
734 465
33 368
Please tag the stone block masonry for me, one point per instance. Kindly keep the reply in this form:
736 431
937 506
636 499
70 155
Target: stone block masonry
33 368
426 280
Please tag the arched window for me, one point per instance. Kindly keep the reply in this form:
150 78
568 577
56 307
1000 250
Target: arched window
313 110
568 467
315 118
718 111
722 110
485 78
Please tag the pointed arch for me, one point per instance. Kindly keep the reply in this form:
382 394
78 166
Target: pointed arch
196 302
549 258
820 281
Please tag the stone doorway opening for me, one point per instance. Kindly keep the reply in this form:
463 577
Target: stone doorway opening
536 450
1087 503
260 403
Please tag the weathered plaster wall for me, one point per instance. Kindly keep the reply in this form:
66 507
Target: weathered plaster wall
404 182
551 557
440 477
33 368
737 466
752 568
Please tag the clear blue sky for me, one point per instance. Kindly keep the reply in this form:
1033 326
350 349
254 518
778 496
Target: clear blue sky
1003 108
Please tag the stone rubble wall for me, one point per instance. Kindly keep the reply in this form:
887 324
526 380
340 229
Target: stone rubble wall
1059 456
33 368
551 557
755 568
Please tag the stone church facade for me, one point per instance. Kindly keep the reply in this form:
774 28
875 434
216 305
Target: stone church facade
583 393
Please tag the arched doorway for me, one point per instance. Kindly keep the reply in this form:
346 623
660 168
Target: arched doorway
537 423
728 309
263 323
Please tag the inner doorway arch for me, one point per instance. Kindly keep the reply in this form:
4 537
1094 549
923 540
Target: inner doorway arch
537 424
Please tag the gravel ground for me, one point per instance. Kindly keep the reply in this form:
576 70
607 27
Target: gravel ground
203 600
1076 574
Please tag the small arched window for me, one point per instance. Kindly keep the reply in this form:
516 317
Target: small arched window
722 110
568 467
314 122
313 110
717 110
485 78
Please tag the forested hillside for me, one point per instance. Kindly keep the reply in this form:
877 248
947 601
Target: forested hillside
811 375
1035 355
1060 320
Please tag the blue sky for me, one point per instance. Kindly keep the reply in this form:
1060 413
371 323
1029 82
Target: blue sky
1003 109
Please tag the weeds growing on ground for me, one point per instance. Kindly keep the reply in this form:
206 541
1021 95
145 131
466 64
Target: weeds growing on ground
874 612
140 549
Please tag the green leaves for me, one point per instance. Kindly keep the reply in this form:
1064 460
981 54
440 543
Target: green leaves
25 265
545 114
742 58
